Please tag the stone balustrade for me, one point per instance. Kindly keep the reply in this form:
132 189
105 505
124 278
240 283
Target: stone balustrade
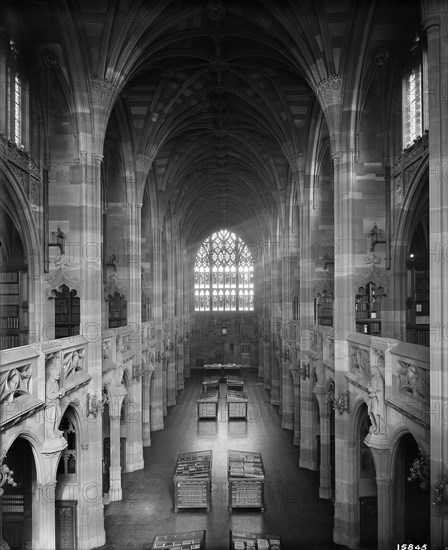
24 370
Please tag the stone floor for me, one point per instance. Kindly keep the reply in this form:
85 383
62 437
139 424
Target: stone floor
293 509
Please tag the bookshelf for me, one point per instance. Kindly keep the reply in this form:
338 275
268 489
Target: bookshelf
242 540
324 309
118 316
368 302
417 307
245 475
67 313
188 540
13 309
192 480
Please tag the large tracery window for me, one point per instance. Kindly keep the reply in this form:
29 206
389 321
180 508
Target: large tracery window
223 274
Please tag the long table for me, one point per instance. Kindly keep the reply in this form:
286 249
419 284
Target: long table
222 370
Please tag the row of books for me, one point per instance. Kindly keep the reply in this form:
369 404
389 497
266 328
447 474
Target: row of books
9 322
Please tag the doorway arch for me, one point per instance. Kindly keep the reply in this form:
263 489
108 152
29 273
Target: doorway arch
411 493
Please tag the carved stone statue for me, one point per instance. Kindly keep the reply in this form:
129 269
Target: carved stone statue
119 370
53 394
376 401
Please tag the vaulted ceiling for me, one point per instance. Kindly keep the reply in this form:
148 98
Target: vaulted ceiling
220 102
217 96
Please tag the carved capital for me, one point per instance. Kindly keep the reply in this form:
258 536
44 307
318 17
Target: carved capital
329 91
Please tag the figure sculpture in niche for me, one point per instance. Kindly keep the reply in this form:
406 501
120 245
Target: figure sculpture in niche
53 396
119 369
376 400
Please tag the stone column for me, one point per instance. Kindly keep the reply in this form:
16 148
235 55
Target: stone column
171 376
133 259
345 200
325 456
296 393
44 516
386 505
157 381
325 487
275 306
435 22
115 491
146 415
308 458
287 334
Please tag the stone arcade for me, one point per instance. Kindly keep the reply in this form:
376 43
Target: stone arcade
219 181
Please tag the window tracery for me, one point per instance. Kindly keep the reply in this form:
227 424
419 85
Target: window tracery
224 274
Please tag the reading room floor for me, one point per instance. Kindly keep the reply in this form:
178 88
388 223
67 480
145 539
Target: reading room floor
293 509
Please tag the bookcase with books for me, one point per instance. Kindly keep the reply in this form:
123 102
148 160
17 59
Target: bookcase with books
245 475
192 480
208 404
67 313
188 540
118 316
324 309
417 307
242 540
368 302
13 309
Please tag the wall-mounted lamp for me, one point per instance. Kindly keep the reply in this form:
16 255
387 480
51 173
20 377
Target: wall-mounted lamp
224 330
342 402
94 405
304 369
5 474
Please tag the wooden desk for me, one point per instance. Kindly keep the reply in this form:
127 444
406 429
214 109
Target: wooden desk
245 475
242 540
234 383
192 480
236 404
221 369
210 383
208 404
188 540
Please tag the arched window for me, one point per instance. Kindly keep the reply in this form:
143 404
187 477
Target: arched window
67 313
415 93
223 274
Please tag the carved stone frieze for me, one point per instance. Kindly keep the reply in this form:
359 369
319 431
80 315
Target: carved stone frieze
18 156
413 381
412 154
360 360
73 362
379 276
61 276
15 382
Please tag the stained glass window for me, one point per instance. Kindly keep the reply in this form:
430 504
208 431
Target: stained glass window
223 274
